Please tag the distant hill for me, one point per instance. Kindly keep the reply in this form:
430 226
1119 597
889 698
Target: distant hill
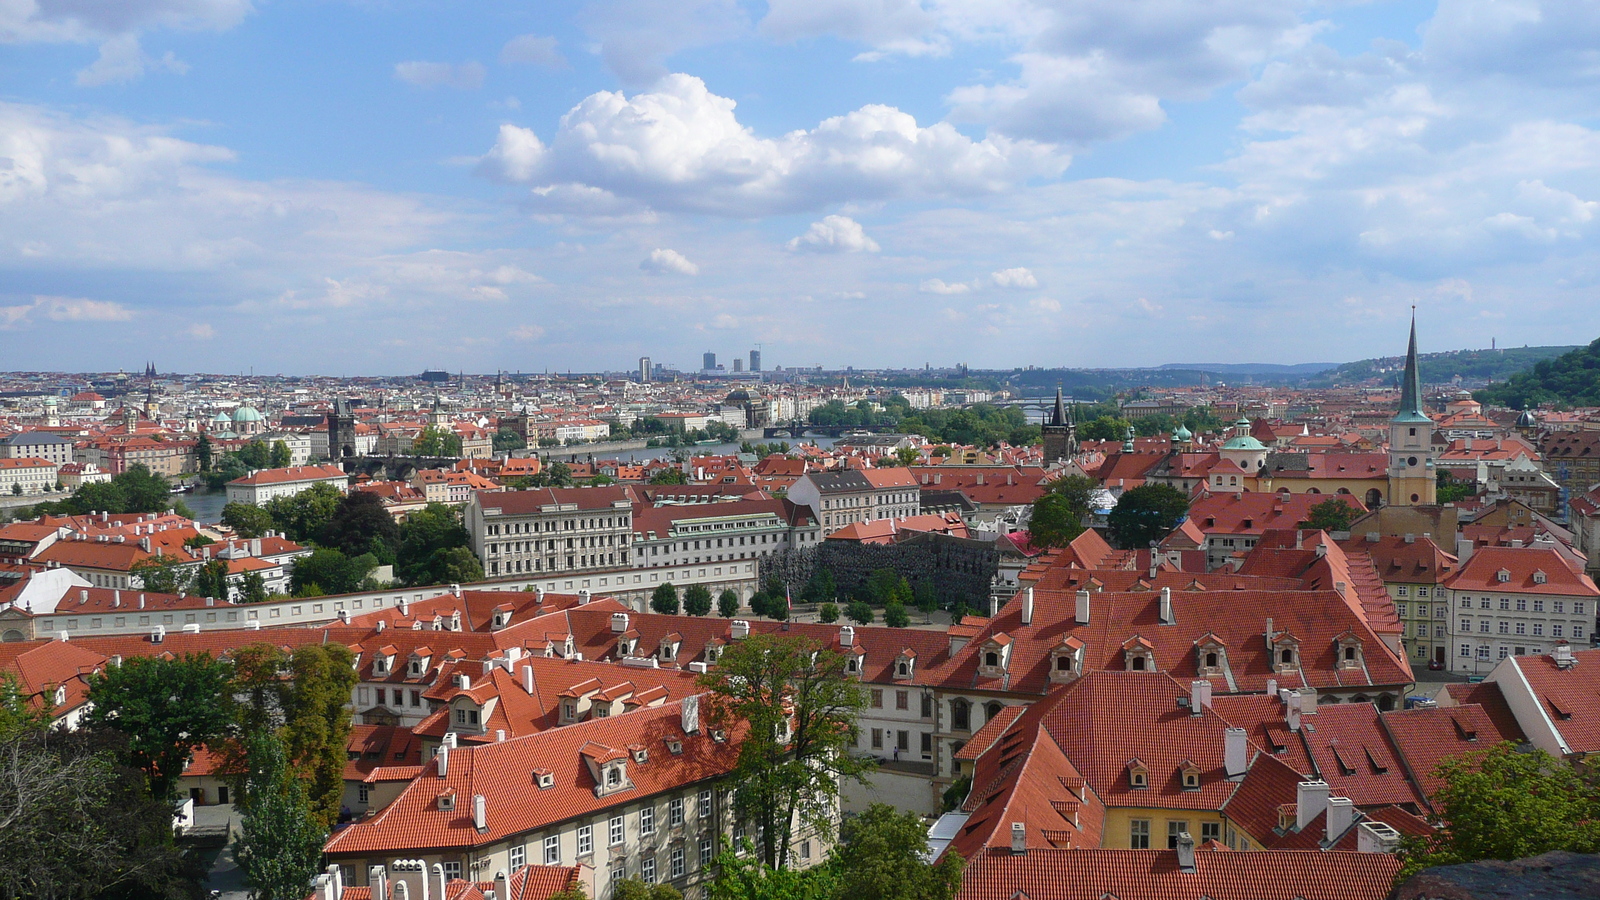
1272 370
1571 379
1437 368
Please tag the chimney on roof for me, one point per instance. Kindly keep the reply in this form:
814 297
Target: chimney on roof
1272 687
1341 815
1377 837
538 595
1411 539
1463 550
1235 753
847 636
1198 696
1292 712
141 601
83 596
378 878
1027 606
619 622
499 734
336 877
444 759
689 714
1185 853
1166 607
527 678
739 629
1082 615
480 813
583 596
501 890
1310 799
1322 550
1563 656
1019 838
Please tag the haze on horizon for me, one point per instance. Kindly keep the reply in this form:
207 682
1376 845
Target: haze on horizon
356 188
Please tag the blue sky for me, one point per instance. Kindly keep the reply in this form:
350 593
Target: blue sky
379 186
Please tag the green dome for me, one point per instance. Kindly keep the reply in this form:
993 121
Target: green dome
1243 442
221 418
1182 434
246 414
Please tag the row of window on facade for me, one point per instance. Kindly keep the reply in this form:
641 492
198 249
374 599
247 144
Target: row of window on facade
1139 833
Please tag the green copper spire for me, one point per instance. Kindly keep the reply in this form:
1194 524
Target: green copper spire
1411 385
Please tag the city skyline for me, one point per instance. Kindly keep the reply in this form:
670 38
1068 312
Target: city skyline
578 185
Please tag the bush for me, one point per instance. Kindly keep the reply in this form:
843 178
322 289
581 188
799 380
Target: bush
828 613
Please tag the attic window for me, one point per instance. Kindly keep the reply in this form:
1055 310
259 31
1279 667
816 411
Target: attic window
1539 578
613 776
1349 654
991 659
1137 663
675 747
1138 777
902 668
853 665
1191 777
1286 657
447 800
1211 659
1502 576
641 755
546 780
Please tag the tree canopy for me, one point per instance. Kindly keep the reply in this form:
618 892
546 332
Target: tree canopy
1571 379
167 707
1332 514
1144 514
881 855
280 842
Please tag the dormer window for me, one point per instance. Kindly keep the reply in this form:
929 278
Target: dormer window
1286 652
1190 774
1066 660
1502 576
447 800
641 755
1539 577
1138 775
1138 655
613 776
991 659
1348 648
61 695
544 779
1211 657
569 711
995 657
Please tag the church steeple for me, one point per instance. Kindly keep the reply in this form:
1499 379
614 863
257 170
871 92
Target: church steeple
1411 384
1059 415
1059 434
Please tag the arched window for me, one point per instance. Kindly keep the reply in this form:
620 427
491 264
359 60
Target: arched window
1374 497
1063 663
991 659
1350 654
1138 664
1211 660
960 715
1286 657
991 710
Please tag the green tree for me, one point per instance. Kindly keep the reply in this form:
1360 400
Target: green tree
669 476
361 524
956 793
457 565
697 600
167 707
742 876
506 440
255 455
280 842
638 889
820 588
894 615
881 585
247 520
883 856
927 599
800 707
828 613
79 824
252 588
435 441
301 517
1501 803
664 599
281 457
426 538
759 602
331 571
1055 522
163 574
1332 514
727 603
1453 491
860 612
203 453
16 714
211 580
1104 428
1144 514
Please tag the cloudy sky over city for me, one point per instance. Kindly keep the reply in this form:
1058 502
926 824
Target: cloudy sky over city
380 186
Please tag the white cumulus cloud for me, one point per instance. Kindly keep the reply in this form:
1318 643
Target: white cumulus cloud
835 234
680 147
122 59
466 76
24 21
63 309
939 286
1014 278
664 262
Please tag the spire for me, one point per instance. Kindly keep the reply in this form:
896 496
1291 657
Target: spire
1059 416
1411 385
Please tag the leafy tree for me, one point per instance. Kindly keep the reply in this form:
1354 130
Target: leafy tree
820 587
743 876
167 707
1055 522
79 824
1501 803
927 599
727 603
435 441
212 580
361 524
664 599
506 440
1104 428
301 517
1451 490
252 588
426 539
331 571
1567 380
16 714
669 476
860 612
697 600
881 585
457 565
247 520
777 607
255 455
894 615
800 706
163 574
956 793
557 474
203 453
883 856
280 842
828 613
758 603
638 889
281 457
1144 514
1332 514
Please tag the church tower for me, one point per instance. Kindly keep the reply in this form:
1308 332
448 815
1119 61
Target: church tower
1060 434
1411 469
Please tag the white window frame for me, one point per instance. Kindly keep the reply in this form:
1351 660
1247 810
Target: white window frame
647 821
616 832
552 850
585 840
